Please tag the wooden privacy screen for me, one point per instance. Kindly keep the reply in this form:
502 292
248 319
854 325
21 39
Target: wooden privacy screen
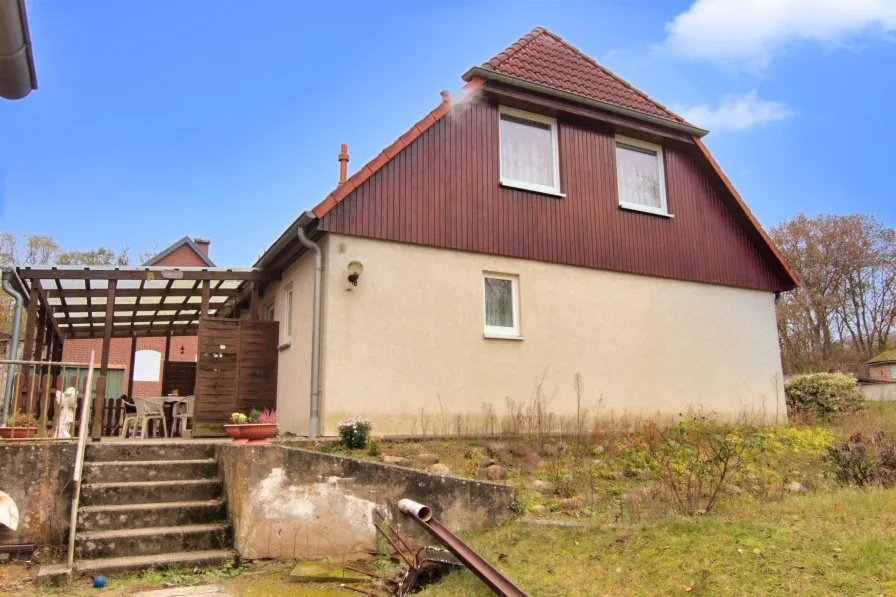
236 370
180 376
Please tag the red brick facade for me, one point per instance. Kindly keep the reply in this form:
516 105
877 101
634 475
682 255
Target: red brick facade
183 348
884 372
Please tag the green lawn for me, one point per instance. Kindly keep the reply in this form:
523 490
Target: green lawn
832 543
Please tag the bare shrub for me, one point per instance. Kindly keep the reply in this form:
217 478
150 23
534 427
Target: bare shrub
696 458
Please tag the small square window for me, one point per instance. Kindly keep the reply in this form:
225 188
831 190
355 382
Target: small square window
640 175
502 305
529 155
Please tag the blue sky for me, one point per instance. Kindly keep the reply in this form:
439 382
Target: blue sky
160 118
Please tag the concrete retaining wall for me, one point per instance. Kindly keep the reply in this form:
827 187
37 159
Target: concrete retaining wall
293 504
38 477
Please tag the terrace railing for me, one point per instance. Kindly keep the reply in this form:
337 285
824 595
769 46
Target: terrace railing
34 395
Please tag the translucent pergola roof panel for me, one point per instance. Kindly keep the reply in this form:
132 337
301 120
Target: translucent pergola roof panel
148 301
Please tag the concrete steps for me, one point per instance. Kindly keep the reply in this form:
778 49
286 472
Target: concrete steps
151 504
150 470
138 492
152 540
189 559
135 516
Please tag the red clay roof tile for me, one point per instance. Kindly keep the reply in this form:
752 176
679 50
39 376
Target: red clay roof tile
544 58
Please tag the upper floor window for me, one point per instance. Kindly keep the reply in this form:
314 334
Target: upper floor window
529 156
640 175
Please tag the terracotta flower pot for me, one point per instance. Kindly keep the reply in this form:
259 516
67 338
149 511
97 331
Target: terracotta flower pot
259 433
236 432
17 432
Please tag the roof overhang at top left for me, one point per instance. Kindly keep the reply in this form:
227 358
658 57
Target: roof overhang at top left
17 74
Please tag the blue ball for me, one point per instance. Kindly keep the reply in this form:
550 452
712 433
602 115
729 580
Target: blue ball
99 582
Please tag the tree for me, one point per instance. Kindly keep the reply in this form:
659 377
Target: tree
845 308
37 249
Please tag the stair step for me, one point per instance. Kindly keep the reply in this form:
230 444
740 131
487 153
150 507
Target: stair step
152 540
146 492
163 514
150 470
191 559
149 450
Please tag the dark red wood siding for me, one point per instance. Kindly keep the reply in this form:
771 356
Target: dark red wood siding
443 191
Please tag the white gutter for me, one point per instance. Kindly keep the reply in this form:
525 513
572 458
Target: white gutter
9 276
483 73
304 221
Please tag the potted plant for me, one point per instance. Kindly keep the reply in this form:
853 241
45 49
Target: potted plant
234 429
19 426
261 427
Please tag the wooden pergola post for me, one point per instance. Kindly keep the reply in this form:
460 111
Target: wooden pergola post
99 401
28 349
206 297
165 357
253 302
131 369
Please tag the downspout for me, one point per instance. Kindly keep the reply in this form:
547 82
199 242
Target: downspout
314 422
13 341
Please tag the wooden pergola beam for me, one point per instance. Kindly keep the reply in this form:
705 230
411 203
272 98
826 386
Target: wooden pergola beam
155 332
161 319
147 274
186 306
137 292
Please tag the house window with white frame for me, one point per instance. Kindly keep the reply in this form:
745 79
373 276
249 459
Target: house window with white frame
529 156
501 305
640 175
269 313
286 330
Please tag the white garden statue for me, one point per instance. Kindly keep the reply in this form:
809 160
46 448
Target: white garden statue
65 413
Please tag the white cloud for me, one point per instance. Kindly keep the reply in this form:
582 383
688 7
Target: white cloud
751 31
736 113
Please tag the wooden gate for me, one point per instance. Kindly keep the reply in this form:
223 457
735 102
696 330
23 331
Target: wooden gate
236 370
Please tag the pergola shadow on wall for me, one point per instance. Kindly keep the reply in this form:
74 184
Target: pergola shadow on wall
102 302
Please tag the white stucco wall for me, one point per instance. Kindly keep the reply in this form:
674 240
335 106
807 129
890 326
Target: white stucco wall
294 366
412 332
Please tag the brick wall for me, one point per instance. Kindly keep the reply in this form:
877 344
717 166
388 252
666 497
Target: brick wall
78 350
183 256
120 356
882 372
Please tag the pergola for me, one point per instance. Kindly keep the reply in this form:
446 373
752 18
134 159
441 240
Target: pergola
111 302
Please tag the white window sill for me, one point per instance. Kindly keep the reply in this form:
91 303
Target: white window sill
645 209
285 345
525 186
500 337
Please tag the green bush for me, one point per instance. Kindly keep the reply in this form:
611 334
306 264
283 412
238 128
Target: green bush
824 394
355 432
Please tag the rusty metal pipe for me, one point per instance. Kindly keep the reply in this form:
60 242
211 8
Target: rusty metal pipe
487 573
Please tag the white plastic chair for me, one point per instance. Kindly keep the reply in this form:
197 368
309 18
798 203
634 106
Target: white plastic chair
149 409
183 412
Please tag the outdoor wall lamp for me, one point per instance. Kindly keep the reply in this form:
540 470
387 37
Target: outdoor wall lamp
354 272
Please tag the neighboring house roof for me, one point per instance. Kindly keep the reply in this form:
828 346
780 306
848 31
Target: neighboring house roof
155 259
887 356
544 58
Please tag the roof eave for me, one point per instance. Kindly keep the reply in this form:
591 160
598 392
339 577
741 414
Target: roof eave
305 219
485 73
